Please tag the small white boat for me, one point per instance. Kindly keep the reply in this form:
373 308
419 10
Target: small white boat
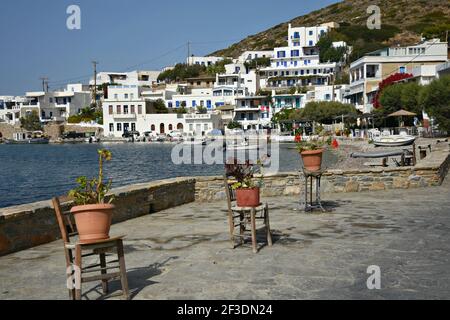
193 141
394 141
244 145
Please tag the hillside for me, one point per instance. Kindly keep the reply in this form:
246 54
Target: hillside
403 21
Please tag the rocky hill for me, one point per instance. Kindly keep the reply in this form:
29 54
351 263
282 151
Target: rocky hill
403 22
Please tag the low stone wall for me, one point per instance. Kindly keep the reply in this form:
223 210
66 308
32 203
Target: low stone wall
29 225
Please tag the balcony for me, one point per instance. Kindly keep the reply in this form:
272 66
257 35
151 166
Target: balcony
128 116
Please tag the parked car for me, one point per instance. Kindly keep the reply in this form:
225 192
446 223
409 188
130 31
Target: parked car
72 135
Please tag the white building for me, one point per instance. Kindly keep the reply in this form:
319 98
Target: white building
252 55
203 61
126 110
298 64
134 78
57 105
253 112
10 108
367 73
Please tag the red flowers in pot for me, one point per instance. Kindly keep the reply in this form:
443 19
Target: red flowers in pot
247 187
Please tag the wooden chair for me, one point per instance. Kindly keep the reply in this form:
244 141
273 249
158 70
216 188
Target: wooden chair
77 273
241 217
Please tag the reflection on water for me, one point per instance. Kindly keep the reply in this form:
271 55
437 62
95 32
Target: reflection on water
37 172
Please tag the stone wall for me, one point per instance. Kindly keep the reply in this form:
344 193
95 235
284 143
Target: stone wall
7 130
30 225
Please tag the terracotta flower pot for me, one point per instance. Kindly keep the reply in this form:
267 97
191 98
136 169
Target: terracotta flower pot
312 160
248 197
93 221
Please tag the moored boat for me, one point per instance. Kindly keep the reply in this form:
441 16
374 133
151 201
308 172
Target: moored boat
394 141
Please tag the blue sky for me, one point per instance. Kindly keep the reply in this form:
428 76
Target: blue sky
143 34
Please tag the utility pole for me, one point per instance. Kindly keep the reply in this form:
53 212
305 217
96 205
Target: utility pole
94 97
44 84
189 52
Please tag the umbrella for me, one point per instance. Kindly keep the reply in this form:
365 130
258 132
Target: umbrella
402 113
216 132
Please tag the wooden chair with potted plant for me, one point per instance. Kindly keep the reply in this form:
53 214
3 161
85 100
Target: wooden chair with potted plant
88 223
244 205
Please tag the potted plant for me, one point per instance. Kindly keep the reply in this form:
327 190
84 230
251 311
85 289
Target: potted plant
247 187
311 152
92 215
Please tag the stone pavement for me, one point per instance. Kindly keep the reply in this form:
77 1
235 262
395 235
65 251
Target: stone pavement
184 253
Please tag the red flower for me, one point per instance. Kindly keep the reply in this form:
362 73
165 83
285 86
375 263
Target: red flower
335 144
298 138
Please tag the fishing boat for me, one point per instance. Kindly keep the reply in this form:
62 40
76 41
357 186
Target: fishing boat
394 141
244 145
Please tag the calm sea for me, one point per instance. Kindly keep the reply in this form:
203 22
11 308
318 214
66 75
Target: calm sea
32 173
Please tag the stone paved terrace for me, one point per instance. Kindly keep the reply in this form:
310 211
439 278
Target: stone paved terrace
184 253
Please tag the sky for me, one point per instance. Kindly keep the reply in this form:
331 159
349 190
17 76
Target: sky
123 35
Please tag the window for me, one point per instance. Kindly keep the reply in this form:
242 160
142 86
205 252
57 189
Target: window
177 103
208 104
295 53
111 127
194 103
119 111
116 96
133 127
152 128
126 95
126 127
69 100
119 127
125 109
170 105
191 127
205 127
132 110
402 69
250 116
281 54
296 35
51 100
310 32
139 109
110 109
131 96
170 127
311 43
327 96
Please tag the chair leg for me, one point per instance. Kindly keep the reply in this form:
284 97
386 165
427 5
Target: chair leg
253 222
231 223
104 271
78 269
123 270
267 220
242 227
70 261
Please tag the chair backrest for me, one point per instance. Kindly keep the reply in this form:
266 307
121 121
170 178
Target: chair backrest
230 193
65 220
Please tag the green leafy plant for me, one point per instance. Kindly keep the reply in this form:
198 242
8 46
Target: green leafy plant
93 191
311 144
244 173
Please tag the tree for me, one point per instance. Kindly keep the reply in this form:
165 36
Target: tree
31 122
181 72
326 111
218 67
201 109
391 99
282 115
387 82
160 106
435 100
87 114
234 125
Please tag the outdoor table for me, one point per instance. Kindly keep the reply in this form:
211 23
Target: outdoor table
310 176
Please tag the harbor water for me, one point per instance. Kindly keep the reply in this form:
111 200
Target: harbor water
31 173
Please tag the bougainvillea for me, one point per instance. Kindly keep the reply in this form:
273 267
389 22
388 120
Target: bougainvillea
387 82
